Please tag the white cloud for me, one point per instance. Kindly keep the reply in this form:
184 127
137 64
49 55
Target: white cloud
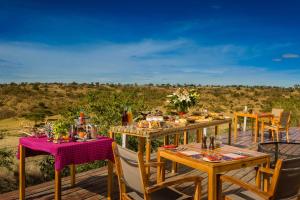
290 55
277 59
175 61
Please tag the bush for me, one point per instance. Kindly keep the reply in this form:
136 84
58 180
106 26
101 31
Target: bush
48 171
6 113
89 166
47 168
6 158
3 133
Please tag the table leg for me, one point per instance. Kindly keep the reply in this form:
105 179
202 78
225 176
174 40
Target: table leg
22 173
166 140
235 127
124 140
199 135
148 154
185 137
212 185
160 170
112 135
229 133
110 169
216 130
262 131
174 164
141 144
57 185
252 126
245 124
256 129
73 172
219 186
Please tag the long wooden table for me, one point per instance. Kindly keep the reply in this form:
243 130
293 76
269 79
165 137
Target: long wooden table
145 136
211 168
256 117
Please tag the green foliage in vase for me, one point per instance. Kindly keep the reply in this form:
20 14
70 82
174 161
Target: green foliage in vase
60 128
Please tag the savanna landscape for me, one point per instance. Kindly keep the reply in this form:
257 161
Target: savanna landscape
27 105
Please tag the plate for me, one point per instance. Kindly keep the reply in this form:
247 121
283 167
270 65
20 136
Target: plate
213 161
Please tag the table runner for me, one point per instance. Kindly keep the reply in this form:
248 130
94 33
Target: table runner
70 152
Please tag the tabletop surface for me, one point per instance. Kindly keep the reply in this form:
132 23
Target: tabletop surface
69 152
259 114
219 156
173 128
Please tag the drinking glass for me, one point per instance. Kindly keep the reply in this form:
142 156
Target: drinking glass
218 141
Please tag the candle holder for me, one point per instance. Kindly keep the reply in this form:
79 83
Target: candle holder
204 140
212 142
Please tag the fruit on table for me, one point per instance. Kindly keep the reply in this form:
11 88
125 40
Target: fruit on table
81 134
66 137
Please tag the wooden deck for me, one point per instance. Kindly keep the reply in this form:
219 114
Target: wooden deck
92 184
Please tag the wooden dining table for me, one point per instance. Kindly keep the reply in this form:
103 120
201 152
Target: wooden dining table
213 169
256 116
146 135
65 154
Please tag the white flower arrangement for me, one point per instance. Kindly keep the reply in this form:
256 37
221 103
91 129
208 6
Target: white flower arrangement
183 99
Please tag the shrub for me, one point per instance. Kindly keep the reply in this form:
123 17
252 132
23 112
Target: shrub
47 168
3 133
6 158
6 113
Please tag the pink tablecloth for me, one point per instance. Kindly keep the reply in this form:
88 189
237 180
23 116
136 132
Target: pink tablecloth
69 153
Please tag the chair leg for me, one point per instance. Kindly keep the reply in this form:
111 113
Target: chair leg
277 135
147 197
287 135
262 132
197 191
272 132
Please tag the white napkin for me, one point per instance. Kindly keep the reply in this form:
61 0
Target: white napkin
190 153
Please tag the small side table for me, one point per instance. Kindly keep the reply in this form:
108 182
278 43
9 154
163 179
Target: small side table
256 117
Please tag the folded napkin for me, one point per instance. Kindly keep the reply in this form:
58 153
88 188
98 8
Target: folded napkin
190 153
234 156
171 146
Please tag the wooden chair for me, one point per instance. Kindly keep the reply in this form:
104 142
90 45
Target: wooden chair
276 112
131 173
282 182
283 124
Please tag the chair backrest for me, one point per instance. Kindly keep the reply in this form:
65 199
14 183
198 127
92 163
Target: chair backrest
128 169
288 183
285 118
277 112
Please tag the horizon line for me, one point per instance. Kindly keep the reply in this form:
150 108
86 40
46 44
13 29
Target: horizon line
150 84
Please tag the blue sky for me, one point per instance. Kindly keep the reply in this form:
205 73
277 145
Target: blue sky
250 42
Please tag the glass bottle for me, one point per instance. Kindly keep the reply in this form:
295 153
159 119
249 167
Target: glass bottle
81 118
204 140
129 116
124 118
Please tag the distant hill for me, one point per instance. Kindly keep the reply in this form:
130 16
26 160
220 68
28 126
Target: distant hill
46 99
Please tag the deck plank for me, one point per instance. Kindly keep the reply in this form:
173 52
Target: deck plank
92 184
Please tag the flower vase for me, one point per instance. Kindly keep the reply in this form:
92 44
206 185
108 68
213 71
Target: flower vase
182 111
